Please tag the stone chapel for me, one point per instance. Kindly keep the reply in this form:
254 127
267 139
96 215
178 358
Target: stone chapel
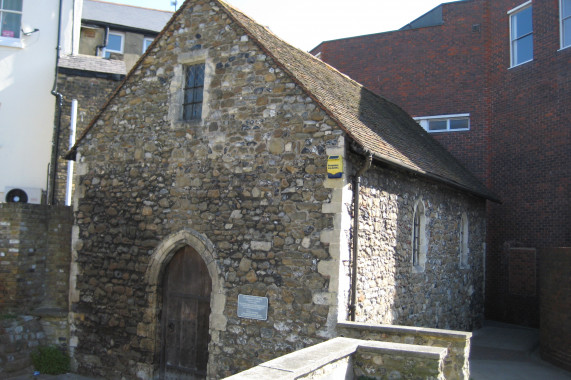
236 198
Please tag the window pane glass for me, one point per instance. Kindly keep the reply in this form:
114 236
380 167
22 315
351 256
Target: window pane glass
11 24
437 125
523 49
146 43
566 8
198 94
114 42
521 23
567 32
13 5
459 124
189 96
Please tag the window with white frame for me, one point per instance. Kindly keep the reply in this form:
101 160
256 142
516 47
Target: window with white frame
115 43
463 249
445 123
147 41
10 22
521 34
565 28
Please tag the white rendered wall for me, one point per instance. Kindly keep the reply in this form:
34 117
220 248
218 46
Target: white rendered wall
26 105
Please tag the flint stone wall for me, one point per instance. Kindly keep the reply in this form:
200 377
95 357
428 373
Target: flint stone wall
445 294
249 179
245 186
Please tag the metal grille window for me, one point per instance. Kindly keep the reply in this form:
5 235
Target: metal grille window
521 34
416 239
10 18
193 92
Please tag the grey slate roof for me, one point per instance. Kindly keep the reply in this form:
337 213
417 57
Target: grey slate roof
125 15
94 64
374 123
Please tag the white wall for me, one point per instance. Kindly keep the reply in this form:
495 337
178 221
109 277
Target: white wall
26 105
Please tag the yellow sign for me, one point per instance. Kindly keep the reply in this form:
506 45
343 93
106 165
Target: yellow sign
335 166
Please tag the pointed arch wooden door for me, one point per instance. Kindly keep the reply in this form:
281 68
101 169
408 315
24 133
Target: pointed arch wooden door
184 321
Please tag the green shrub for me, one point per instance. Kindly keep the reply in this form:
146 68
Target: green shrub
50 360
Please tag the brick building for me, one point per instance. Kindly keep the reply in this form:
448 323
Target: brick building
209 233
490 80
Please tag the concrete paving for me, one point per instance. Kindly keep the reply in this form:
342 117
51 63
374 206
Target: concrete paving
509 352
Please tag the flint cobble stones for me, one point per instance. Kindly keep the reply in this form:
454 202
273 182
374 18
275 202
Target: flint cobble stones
444 294
249 177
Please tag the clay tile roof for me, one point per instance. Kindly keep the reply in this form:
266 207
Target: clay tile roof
377 125
94 64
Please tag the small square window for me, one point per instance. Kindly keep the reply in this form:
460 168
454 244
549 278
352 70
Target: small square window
10 20
115 42
193 92
146 43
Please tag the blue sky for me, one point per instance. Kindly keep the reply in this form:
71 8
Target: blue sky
305 23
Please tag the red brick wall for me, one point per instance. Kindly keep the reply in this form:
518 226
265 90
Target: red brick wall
520 133
555 331
429 71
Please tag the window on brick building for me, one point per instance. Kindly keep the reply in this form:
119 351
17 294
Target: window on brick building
418 238
521 34
464 251
10 22
565 11
445 123
193 92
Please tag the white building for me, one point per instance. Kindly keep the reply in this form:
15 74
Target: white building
28 47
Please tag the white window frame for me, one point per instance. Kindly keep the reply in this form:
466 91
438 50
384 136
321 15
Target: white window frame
561 28
146 40
511 14
12 41
107 50
424 122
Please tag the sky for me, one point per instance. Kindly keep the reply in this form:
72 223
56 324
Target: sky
306 23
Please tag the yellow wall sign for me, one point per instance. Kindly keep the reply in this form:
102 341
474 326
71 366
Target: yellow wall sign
334 167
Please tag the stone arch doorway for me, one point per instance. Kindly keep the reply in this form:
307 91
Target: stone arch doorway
161 258
186 289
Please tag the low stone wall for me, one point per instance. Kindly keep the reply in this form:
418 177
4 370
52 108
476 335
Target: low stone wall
555 306
18 337
456 363
35 253
345 358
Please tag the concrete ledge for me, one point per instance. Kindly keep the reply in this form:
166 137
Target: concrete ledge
306 361
394 329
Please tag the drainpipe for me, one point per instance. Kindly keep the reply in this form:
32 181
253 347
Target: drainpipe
59 97
99 48
73 127
356 190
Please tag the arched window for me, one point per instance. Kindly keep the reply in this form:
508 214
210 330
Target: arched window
463 249
418 240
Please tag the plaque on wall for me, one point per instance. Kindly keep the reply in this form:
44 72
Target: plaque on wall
252 307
